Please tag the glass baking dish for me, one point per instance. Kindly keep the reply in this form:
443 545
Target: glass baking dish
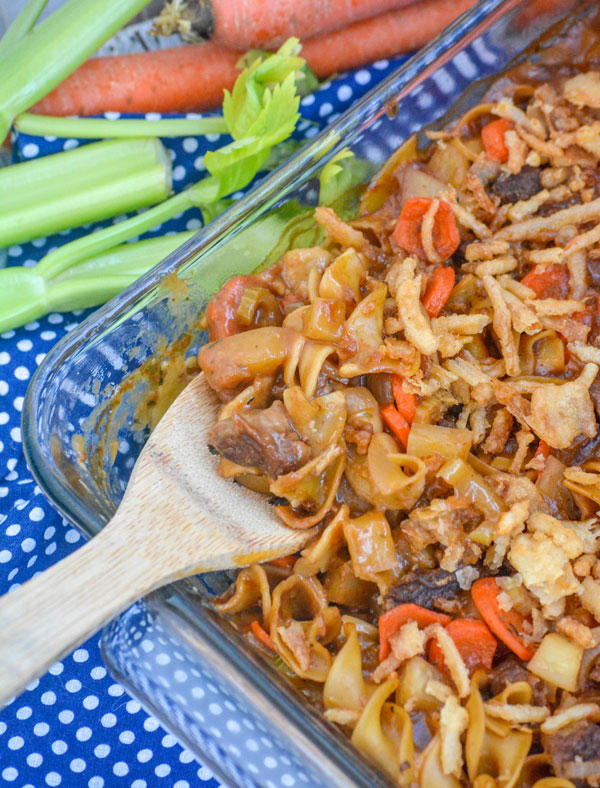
99 391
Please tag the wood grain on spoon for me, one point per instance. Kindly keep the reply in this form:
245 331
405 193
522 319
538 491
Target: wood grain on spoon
178 517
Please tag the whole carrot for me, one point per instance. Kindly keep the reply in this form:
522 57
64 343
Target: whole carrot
181 79
193 77
381 36
247 24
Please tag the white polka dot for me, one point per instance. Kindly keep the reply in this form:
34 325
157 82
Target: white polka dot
139 784
153 116
132 706
72 536
13 530
84 733
90 702
151 724
40 357
53 779
33 326
15 742
215 709
30 150
108 720
169 740
77 765
73 685
48 698
162 770
362 77
15 434
3 384
4 359
185 756
325 109
344 92
27 545
24 713
36 514
178 173
70 144
18 403
55 318
34 759
110 115
120 769
59 747
287 780
49 532
10 774
199 164
194 224
48 336
181 784
233 726
205 774
308 100
56 669
163 659
116 690
251 745
50 549
98 672
66 716
21 373
24 345
96 782
33 685
270 763
144 755
101 750
5 556
81 655
126 737
190 144
42 728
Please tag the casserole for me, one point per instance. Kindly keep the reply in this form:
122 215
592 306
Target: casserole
81 436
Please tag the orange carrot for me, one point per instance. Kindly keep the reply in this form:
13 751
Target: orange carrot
551 281
287 562
221 312
390 622
505 624
474 641
248 24
407 232
381 36
438 290
262 636
397 424
180 79
492 137
406 403
193 77
543 450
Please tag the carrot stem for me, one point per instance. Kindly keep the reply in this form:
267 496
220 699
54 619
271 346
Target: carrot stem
21 25
101 128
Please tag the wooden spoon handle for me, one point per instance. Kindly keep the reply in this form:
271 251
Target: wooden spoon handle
54 612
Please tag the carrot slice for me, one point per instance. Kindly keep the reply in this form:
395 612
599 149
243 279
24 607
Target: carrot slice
395 618
221 312
492 137
262 636
550 281
505 624
438 290
406 403
397 423
407 232
287 562
474 641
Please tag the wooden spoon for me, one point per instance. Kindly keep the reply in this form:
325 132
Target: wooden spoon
178 518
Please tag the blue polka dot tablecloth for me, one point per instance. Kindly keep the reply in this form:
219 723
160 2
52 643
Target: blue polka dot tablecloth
76 727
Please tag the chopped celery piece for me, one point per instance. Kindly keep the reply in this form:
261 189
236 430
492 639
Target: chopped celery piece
21 25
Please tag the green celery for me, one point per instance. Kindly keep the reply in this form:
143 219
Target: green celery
40 181
46 55
21 25
26 295
120 195
100 128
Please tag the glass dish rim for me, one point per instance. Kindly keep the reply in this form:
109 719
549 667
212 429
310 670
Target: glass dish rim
401 81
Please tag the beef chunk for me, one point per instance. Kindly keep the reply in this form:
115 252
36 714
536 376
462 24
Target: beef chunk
509 671
423 588
575 753
511 188
262 438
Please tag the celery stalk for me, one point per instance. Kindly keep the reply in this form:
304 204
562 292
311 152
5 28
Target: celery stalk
46 55
40 181
25 295
120 195
100 128
21 25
